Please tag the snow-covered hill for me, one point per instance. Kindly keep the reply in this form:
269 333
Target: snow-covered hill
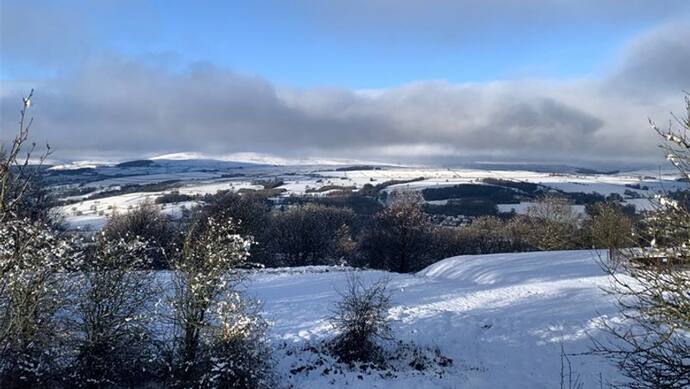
501 318
207 176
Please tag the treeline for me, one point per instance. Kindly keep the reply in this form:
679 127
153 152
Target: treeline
483 199
397 237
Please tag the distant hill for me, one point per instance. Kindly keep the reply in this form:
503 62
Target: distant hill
137 163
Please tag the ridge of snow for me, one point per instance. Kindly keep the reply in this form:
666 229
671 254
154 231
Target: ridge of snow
511 268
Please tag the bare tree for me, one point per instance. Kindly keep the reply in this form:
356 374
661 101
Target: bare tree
398 237
309 234
552 223
652 345
610 228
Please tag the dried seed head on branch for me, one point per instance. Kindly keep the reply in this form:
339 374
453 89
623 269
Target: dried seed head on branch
17 168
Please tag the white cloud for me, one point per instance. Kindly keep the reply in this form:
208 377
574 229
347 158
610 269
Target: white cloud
120 105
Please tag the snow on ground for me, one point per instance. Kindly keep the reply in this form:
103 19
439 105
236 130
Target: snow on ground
521 208
643 204
85 222
144 179
298 180
214 187
501 318
91 214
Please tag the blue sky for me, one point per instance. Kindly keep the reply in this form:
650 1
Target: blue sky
306 63
287 45
303 44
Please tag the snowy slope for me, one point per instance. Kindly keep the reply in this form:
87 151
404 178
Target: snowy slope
188 174
259 158
501 318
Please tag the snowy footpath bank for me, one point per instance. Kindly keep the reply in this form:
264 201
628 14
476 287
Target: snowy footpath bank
501 318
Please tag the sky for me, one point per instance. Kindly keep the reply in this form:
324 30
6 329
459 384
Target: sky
435 81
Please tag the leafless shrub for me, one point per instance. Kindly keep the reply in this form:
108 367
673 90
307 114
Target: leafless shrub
569 378
360 319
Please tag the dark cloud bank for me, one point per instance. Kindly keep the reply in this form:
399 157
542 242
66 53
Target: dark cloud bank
117 106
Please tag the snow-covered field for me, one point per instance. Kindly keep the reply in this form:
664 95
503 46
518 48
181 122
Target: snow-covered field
203 176
524 206
501 318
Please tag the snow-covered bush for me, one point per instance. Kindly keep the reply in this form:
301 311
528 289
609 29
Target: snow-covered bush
239 352
204 278
111 319
360 319
33 291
